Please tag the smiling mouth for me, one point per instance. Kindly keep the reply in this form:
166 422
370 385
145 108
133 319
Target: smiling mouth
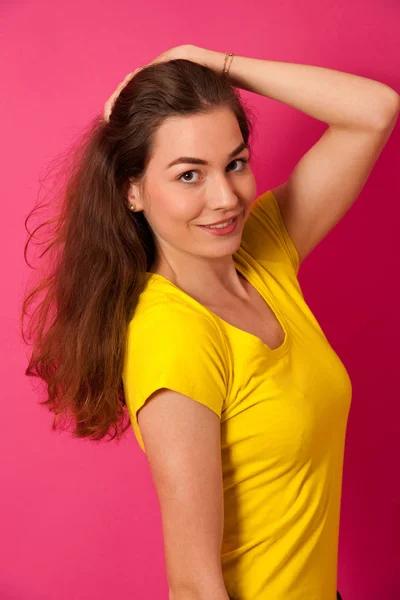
222 224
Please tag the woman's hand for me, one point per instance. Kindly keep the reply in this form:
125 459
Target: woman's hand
187 51
176 52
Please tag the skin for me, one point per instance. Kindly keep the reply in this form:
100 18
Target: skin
197 262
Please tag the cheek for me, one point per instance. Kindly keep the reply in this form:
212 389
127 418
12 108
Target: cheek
182 209
252 186
251 195
252 190
178 211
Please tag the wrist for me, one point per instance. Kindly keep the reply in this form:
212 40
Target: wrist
209 58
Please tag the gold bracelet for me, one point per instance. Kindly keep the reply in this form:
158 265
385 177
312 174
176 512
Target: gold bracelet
227 63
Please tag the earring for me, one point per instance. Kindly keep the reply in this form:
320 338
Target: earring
132 207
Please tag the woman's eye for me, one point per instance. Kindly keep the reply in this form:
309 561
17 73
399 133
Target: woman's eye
184 180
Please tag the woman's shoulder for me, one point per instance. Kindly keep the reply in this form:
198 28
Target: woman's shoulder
164 308
169 327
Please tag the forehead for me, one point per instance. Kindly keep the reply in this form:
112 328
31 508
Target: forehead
202 135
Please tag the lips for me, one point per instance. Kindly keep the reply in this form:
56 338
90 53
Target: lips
222 221
221 229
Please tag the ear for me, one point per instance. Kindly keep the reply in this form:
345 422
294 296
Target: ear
133 194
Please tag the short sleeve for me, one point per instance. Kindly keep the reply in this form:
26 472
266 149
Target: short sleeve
172 345
265 236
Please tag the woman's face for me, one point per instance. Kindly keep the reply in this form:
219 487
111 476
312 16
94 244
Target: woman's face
179 194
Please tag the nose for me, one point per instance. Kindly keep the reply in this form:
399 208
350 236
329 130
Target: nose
222 195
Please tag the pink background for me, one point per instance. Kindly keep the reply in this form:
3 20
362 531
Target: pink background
80 520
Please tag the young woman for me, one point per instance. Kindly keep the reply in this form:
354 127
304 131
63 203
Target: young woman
178 304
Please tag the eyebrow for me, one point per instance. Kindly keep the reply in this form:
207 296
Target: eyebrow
198 161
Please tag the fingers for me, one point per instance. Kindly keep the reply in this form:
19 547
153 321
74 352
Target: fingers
110 102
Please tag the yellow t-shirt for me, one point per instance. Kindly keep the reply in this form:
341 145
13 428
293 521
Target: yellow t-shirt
283 415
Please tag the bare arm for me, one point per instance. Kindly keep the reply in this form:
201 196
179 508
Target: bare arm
182 441
335 97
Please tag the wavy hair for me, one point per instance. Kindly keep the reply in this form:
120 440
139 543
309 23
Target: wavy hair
98 251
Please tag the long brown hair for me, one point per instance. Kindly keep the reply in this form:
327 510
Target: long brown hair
99 251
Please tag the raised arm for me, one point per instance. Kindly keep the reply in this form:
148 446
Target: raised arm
182 441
